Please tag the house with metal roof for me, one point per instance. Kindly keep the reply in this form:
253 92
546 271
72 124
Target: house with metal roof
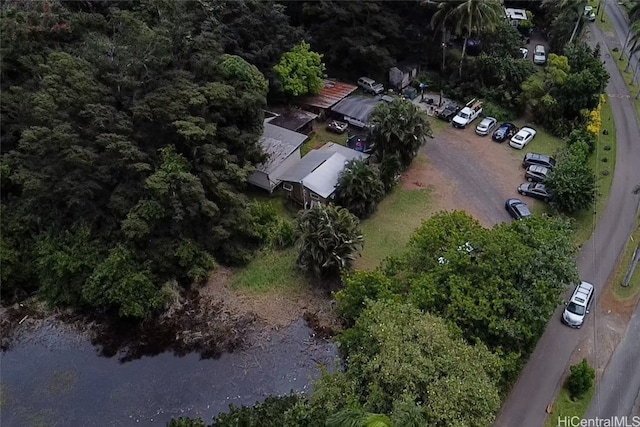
313 178
282 147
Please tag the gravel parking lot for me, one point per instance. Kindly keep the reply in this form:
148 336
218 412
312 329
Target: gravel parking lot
471 173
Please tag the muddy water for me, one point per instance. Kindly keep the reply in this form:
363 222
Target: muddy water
55 377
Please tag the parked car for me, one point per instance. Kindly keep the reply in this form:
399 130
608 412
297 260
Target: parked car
578 306
337 126
370 86
360 143
589 13
536 190
486 126
522 138
536 173
539 55
448 112
468 114
517 209
538 159
504 132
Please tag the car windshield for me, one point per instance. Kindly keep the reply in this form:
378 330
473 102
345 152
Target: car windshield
464 115
518 137
576 309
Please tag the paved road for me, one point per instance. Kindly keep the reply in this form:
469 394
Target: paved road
541 379
619 387
618 391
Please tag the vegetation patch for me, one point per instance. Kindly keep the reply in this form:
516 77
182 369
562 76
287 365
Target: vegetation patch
627 76
270 270
565 407
587 219
388 230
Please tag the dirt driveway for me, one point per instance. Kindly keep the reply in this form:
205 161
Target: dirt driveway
471 173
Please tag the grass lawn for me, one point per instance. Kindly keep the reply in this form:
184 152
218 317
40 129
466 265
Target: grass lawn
438 125
320 137
388 230
634 284
271 270
565 407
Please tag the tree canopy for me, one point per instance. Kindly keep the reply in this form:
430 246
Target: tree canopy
301 71
127 141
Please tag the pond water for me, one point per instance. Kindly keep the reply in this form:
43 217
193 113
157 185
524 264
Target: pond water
54 377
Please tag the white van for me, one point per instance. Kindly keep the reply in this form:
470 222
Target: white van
539 55
578 306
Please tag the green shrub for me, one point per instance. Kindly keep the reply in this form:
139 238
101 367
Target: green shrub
581 379
283 234
489 109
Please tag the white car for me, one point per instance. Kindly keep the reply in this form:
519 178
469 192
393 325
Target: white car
486 126
522 138
539 55
589 13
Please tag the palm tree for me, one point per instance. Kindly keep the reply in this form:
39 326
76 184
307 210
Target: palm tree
400 128
328 239
469 17
360 188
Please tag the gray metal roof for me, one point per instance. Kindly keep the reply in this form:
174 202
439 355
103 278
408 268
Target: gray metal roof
278 143
324 178
357 107
305 166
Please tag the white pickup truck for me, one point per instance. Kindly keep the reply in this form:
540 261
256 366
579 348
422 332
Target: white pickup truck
469 113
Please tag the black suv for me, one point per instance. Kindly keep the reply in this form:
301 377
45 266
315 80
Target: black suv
538 159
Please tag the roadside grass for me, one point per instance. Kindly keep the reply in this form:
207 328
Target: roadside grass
632 290
388 230
320 137
627 76
564 406
271 270
603 20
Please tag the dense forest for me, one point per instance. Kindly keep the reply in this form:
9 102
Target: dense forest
129 129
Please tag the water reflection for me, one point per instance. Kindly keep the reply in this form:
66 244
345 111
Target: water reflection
54 377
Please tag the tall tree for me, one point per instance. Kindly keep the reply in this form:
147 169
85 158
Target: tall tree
468 17
301 71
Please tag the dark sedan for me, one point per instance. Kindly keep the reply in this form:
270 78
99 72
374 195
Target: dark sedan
538 159
517 209
536 173
504 132
535 190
